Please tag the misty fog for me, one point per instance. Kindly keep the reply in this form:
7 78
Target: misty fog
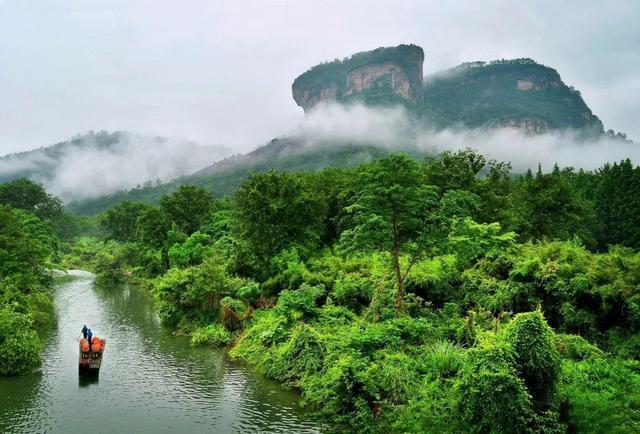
394 128
91 170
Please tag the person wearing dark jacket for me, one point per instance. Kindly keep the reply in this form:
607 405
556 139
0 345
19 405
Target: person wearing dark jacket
89 336
84 331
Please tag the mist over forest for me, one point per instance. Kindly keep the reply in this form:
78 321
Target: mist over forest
360 217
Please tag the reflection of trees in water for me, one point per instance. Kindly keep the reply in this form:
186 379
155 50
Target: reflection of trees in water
22 397
145 366
206 375
17 400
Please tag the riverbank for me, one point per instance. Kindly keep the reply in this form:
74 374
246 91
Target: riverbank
27 245
151 381
395 301
402 372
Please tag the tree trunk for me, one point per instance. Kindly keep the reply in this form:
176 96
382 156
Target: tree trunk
395 253
166 264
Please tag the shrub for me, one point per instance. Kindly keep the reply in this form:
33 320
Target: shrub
19 343
431 410
491 397
190 252
213 335
302 355
231 313
443 359
352 292
601 396
343 391
300 303
110 262
536 356
395 376
575 347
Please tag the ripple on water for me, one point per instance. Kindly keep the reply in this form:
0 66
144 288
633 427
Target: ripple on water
150 381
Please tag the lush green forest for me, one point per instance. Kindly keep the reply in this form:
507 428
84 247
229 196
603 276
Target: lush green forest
32 227
403 295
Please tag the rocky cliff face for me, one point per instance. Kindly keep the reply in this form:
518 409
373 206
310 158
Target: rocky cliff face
384 72
517 93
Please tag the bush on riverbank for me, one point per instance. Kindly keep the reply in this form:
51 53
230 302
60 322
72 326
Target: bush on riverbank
405 296
19 343
213 335
29 219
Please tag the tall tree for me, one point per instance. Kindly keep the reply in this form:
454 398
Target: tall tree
392 212
455 170
277 209
547 207
30 196
617 199
120 220
188 208
26 243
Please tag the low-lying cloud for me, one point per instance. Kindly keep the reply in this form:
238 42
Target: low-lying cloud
394 128
90 168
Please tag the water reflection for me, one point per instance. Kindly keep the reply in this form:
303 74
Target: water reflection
85 380
150 381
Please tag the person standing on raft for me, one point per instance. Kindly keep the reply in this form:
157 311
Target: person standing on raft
89 336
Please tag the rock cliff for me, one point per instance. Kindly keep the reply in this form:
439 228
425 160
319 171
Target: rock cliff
517 93
380 75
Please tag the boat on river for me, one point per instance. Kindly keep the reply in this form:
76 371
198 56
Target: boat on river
91 354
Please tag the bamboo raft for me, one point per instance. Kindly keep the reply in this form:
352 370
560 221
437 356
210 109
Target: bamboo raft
90 355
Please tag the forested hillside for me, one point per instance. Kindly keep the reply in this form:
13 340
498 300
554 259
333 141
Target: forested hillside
224 177
518 93
402 295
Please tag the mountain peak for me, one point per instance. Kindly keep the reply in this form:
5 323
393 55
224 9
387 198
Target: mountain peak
386 72
516 93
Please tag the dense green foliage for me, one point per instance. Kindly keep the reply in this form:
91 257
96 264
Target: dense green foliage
480 94
443 295
28 243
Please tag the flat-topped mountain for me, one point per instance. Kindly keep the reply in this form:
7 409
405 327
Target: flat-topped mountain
518 93
380 75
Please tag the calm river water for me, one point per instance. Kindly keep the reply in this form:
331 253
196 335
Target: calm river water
150 381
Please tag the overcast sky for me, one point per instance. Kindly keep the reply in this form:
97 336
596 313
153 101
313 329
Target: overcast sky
221 72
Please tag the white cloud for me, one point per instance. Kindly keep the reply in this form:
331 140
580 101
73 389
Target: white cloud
91 170
393 128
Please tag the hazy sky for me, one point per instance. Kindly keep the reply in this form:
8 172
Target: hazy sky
221 72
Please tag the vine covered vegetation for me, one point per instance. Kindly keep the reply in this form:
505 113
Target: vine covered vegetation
443 295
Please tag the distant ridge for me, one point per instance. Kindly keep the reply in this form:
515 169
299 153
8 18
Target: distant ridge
96 163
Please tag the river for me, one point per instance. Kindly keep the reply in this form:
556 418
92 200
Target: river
150 380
